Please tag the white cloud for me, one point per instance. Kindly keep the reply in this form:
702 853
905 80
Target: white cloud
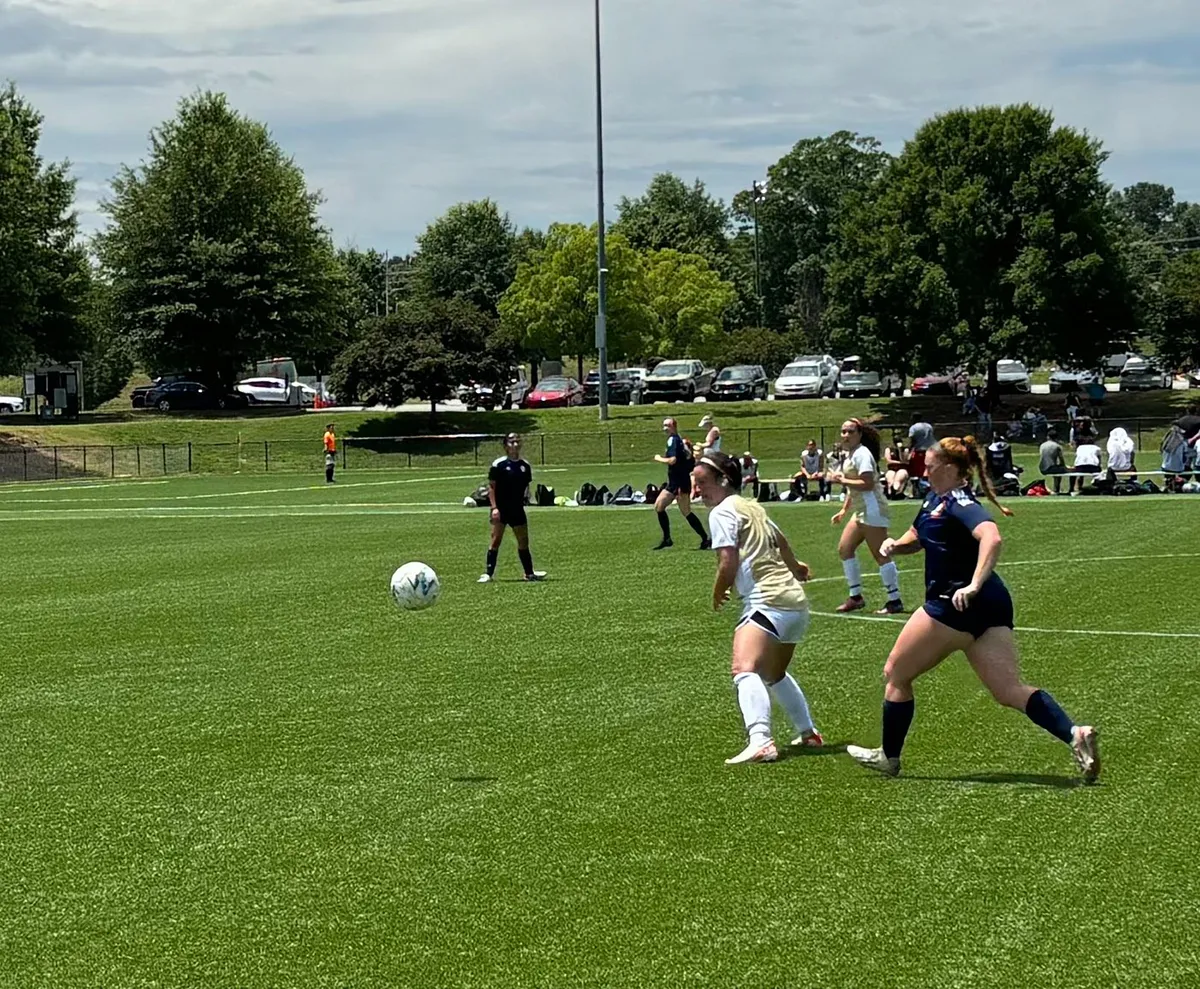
398 108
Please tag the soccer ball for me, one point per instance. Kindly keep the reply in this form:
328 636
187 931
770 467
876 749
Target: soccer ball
415 586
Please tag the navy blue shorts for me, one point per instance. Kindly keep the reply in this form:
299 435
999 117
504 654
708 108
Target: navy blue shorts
992 608
513 515
677 484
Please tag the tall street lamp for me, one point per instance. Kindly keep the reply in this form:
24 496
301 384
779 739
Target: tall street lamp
758 192
601 256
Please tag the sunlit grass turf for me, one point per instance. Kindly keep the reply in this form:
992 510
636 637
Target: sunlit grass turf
228 760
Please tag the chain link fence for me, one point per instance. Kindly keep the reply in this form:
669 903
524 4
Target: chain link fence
30 462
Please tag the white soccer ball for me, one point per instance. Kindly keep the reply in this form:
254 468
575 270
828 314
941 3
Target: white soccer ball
415 586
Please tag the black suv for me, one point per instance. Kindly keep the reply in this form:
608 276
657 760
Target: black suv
623 388
739 382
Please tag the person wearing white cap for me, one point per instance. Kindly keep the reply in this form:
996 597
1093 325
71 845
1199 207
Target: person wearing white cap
712 442
679 461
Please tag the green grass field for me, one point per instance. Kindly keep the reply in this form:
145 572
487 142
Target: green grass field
229 760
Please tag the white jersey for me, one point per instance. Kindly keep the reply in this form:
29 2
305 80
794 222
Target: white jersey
871 503
712 442
812 461
763 579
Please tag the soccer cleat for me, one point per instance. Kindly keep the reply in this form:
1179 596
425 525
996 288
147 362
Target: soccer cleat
755 753
854 603
536 575
1084 746
874 759
892 608
665 544
706 543
485 579
808 740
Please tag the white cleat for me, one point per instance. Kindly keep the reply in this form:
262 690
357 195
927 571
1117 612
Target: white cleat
1086 749
755 753
874 759
536 575
485 579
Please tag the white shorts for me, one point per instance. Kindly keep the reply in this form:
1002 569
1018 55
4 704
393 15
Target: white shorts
786 626
872 516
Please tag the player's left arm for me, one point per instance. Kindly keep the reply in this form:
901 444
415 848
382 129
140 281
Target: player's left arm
801 571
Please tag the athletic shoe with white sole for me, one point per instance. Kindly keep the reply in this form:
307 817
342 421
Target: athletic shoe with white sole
485 579
755 753
536 575
874 759
1086 749
809 739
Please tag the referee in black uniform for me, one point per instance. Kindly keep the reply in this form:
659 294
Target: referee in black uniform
679 462
508 484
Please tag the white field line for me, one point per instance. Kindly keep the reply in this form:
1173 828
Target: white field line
1025 628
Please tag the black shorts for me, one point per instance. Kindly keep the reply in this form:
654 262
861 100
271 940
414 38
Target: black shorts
992 608
676 485
512 515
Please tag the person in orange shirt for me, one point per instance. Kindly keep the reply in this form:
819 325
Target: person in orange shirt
330 452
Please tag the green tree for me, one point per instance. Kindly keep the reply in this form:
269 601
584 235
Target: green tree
756 345
107 362
550 308
467 253
990 236
1145 206
671 215
689 301
1177 332
215 253
809 192
43 268
423 349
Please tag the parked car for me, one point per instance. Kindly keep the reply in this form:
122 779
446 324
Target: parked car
1140 374
640 374
10 403
1115 363
1013 376
854 380
137 397
558 391
952 382
1193 378
808 377
275 391
623 388
739 382
686 379
1073 379
192 395
476 395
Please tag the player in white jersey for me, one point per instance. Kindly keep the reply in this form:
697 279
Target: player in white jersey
754 558
712 440
869 524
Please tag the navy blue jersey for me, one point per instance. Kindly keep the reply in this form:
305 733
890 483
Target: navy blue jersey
945 526
683 456
512 479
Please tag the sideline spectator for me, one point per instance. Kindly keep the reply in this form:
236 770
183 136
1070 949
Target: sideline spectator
749 465
330 443
1120 451
1051 461
812 468
1087 461
921 434
1174 451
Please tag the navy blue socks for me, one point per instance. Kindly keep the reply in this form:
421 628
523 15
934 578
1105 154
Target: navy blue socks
1043 711
897 716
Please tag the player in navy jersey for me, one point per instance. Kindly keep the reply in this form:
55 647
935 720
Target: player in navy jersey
967 608
508 484
679 461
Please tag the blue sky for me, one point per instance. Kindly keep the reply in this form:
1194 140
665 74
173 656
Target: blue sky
398 108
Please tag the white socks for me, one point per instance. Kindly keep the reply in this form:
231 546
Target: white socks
853 576
891 580
755 703
791 698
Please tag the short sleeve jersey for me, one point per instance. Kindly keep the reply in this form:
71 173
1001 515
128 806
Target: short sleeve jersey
512 479
859 463
945 526
921 434
683 456
763 579
811 461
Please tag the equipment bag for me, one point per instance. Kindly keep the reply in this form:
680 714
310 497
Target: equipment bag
545 496
623 495
480 494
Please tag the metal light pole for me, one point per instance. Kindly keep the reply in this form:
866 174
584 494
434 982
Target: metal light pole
757 189
601 256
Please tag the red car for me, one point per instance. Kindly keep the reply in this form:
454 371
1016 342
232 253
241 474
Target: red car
555 393
947 383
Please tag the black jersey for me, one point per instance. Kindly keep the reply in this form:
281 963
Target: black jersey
945 526
512 479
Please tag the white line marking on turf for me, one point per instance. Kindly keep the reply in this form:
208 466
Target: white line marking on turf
1025 628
